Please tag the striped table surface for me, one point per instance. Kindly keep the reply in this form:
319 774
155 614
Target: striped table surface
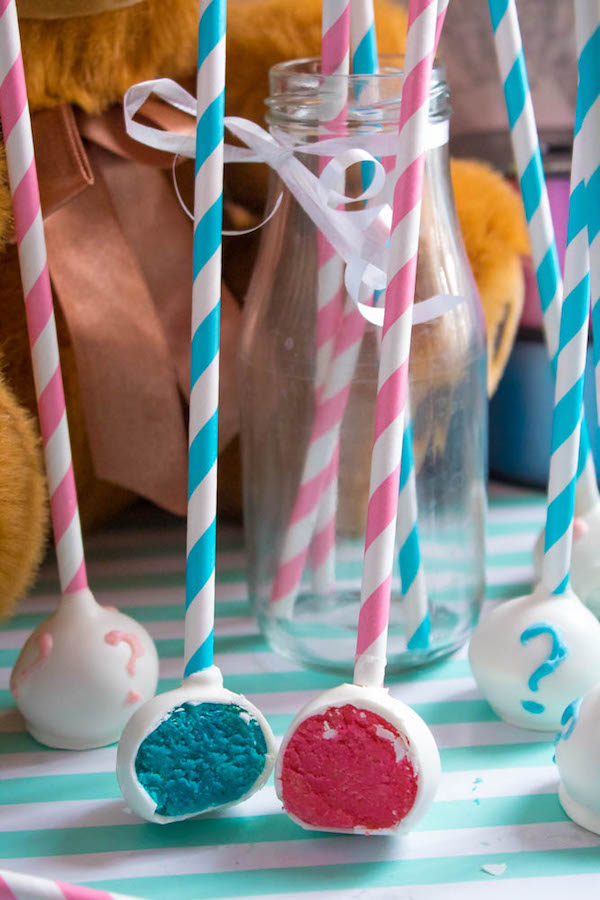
61 815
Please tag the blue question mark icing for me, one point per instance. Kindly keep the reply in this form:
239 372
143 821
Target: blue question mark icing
557 654
569 717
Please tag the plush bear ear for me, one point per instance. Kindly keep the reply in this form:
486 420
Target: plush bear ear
5 207
67 9
23 510
91 60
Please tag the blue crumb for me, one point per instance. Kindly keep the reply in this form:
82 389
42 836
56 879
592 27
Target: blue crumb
202 756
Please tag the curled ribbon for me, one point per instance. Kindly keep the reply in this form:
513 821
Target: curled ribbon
359 236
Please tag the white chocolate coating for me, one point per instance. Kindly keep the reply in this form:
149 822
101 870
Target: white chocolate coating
423 753
76 689
203 687
578 761
585 558
503 665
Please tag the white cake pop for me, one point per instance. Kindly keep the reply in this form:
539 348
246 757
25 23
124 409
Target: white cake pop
357 761
82 673
578 760
532 655
585 558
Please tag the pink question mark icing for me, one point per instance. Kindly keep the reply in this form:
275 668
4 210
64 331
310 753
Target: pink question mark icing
580 528
133 697
137 648
44 642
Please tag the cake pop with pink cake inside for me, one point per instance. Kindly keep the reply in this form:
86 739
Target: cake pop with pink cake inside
321 776
356 760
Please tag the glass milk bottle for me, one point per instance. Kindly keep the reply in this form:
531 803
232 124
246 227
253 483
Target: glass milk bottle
308 392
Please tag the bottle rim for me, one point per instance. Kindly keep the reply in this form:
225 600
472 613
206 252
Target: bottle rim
299 92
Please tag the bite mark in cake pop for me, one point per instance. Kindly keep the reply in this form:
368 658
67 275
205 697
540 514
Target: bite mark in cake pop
202 756
325 775
558 652
44 642
137 648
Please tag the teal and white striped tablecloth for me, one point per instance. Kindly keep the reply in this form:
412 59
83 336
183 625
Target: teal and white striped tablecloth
61 815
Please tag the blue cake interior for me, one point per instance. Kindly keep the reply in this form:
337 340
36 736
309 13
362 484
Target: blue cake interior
201 756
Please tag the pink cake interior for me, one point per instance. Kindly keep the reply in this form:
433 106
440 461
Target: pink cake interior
348 768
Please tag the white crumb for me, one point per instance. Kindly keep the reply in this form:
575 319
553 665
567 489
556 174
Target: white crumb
399 745
494 868
328 732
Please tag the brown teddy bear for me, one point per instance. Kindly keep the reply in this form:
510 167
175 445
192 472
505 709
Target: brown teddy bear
120 249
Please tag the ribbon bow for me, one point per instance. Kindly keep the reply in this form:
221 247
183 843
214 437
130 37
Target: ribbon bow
359 236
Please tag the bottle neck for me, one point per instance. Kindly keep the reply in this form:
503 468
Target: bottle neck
302 100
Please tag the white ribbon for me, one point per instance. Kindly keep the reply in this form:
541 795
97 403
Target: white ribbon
359 236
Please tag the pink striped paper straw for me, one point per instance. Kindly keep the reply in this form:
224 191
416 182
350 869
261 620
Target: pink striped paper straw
317 522
319 477
392 391
335 60
364 60
335 56
320 466
14 886
18 141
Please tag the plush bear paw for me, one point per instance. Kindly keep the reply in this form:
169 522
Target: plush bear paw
23 507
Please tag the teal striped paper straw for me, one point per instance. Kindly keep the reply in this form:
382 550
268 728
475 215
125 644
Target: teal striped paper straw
206 303
587 28
570 376
363 38
364 59
528 160
412 575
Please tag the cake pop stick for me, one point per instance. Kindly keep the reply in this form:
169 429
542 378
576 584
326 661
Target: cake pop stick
578 741
418 629
17 886
75 686
528 161
328 421
586 22
585 564
365 60
355 760
534 654
199 747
